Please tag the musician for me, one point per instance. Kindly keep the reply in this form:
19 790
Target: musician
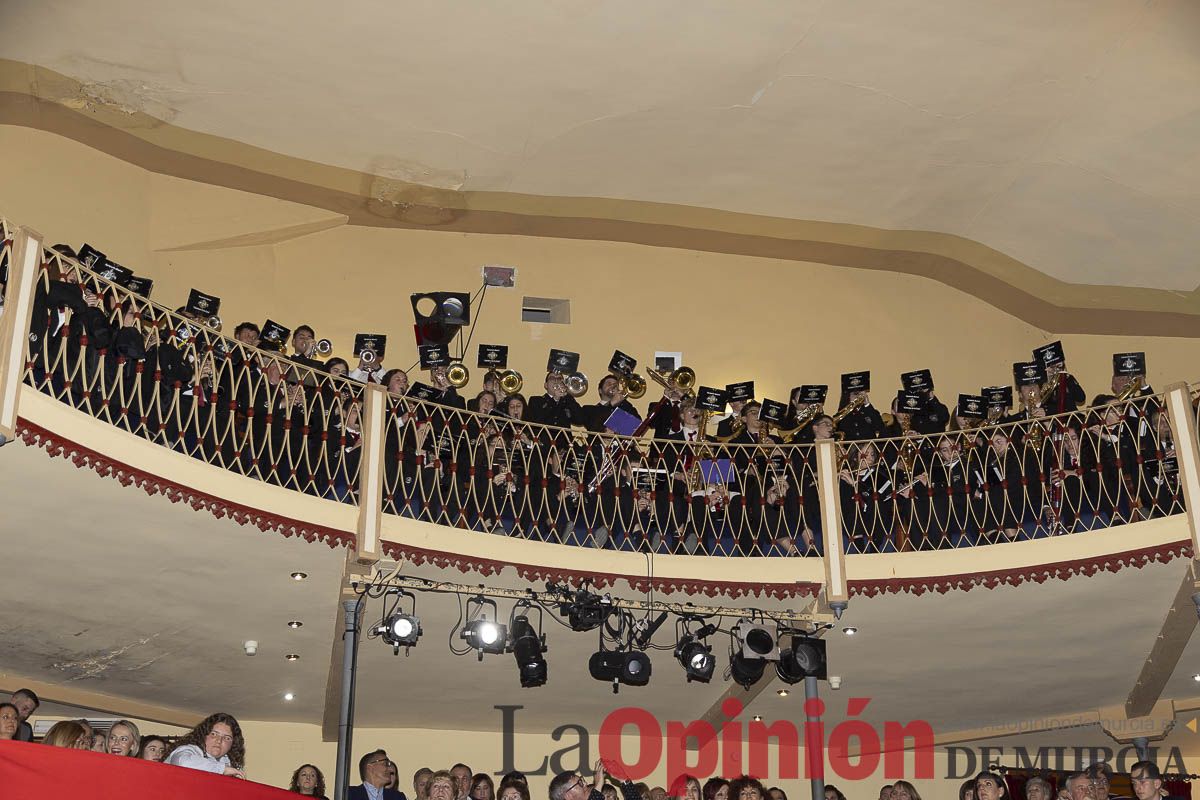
304 346
370 368
1076 502
1000 482
1061 392
738 395
781 492
491 383
689 490
909 459
868 506
408 470
860 420
1158 488
556 407
611 398
1108 452
804 404
576 486
1138 402
933 415
951 503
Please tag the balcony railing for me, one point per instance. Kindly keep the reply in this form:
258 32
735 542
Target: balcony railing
177 382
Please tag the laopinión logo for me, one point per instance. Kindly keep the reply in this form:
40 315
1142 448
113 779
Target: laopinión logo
855 748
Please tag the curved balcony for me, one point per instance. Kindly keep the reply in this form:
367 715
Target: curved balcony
255 435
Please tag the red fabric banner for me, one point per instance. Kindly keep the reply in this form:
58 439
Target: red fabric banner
36 771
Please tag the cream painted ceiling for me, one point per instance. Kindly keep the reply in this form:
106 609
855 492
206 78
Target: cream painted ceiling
1062 134
110 590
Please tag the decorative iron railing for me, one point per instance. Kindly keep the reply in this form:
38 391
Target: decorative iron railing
173 380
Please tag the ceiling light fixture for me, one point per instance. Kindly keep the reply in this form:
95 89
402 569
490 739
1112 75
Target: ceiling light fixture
850 631
758 717
528 647
400 628
1196 677
782 692
631 667
299 576
804 659
292 657
289 696
295 623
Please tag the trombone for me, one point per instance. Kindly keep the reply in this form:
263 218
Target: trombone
682 380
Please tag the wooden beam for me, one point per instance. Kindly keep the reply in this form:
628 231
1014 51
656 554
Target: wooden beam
1168 648
73 695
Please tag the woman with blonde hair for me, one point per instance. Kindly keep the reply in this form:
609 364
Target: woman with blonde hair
124 739
68 733
903 790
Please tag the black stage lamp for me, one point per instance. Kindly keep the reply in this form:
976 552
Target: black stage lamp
757 640
631 667
400 628
745 671
482 633
440 315
527 648
804 659
696 658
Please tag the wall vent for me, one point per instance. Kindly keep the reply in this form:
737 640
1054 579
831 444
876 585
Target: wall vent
546 309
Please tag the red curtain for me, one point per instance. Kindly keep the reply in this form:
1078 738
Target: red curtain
39 771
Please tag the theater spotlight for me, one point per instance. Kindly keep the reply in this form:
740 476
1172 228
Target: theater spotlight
745 671
400 628
584 610
696 658
484 634
757 640
528 645
804 659
440 315
630 667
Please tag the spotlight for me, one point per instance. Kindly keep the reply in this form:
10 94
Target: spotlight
401 630
696 658
757 640
299 576
527 648
745 671
804 659
440 315
850 630
483 634
587 611
630 667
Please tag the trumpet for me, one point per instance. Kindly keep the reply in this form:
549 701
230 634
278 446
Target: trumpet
632 385
511 382
368 356
214 322
682 380
577 384
458 375
321 347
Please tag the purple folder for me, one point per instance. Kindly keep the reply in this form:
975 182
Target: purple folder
622 422
718 471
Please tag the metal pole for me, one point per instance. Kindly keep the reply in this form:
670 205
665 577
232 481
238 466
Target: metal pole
817 770
341 785
1142 744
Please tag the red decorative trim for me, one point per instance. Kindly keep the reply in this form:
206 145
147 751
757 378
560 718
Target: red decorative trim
1040 573
80 456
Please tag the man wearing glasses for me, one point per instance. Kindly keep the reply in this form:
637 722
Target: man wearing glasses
375 770
573 786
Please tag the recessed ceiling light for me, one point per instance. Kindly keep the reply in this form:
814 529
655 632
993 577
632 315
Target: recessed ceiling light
782 692
292 656
758 718
850 631
289 696
299 576
1196 677
295 623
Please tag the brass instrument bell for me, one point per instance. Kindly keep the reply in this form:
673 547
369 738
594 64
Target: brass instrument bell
1134 386
368 356
681 380
323 347
632 385
577 384
457 375
511 382
214 322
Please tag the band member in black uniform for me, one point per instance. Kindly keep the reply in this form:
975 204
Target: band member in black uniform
491 383
737 394
1072 484
1138 407
611 398
54 301
805 404
933 415
664 413
1107 451
909 459
953 522
683 459
782 496
304 347
556 407
859 420
1159 486
1000 481
868 506
1061 392
575 487
749 464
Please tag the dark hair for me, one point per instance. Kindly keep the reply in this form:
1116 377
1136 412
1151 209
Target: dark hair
362 762
245 326
197 735
495 399
318 790
10 705
509 782
712 786
299 328
509 401
515 775
485 778
968 784
558 786
777 789
65 250
1148 769
387 376
329 365
742 782
28 693
460 764
1095 770
147 739
997 779
829 787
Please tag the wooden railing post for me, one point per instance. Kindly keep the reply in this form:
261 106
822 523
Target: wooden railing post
371 474
837 590
1178 400
14 325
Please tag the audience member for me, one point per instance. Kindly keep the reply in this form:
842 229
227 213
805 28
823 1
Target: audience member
68 733
1077 784
462 780
833 793
10 721
687 787
154 748
776 793
442 786
124 739
967 790
990 786
308 780
1100 774
903 790
513 788
482 787
717 789
375 772
215 745
1038 789
420 783
26 703
746 787
393 777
